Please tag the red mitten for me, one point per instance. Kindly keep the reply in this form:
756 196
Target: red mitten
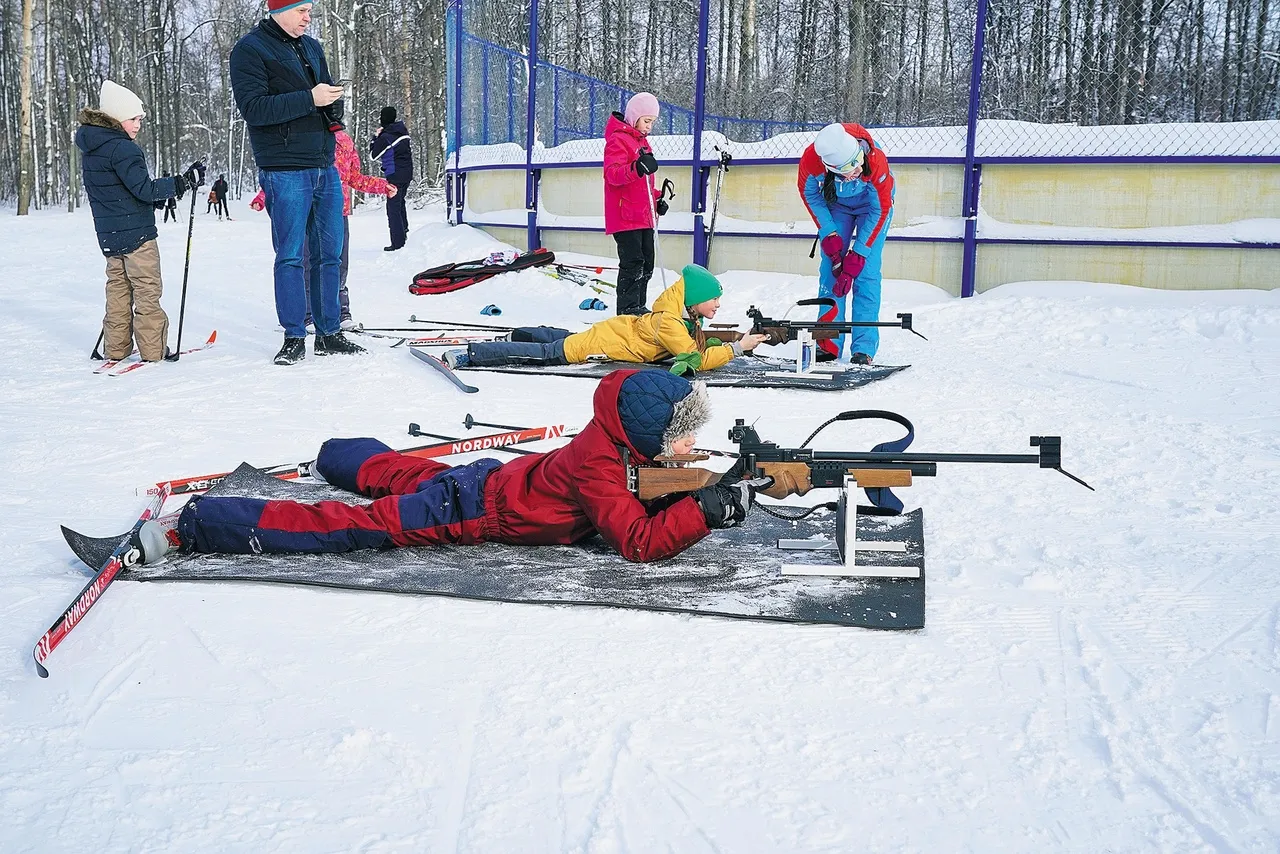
844 284
849 270
833 248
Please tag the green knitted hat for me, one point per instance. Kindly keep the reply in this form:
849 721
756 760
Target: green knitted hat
699 285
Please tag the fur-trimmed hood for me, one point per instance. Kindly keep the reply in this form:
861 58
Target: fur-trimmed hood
689 415
97 118
97 129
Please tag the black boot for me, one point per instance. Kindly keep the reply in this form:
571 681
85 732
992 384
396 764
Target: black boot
294 350
859 359
328 345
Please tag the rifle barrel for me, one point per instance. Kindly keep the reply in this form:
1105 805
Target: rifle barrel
884 456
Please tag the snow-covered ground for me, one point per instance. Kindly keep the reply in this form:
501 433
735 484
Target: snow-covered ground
1100 671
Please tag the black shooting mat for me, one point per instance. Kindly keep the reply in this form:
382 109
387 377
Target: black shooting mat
731 573
743 372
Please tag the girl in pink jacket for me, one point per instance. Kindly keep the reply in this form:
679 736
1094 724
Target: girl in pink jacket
630 199
347 160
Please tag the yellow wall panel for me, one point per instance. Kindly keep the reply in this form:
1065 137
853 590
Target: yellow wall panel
1141 266
495 190
770 194
1129 195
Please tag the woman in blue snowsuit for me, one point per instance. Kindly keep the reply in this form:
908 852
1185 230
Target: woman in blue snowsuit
847 186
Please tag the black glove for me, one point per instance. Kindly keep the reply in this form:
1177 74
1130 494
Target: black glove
726 505
179 185
662 207
194 175
646 163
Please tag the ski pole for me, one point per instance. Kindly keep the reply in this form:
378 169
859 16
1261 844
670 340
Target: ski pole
186 267
471 422
657 244
416 430
450 324
725 159
97 354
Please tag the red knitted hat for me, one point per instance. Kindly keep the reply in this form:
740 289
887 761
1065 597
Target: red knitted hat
274 6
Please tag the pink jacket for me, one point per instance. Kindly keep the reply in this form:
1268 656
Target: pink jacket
347 160
628 196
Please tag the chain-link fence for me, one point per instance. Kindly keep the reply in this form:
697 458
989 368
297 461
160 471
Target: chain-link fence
1059 78
960 83
1131 78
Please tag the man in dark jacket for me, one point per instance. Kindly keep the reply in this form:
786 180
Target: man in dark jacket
170 205
284 91
390 147
122 196
220 196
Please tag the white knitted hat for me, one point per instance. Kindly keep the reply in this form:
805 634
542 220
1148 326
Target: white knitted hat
119 103
836 146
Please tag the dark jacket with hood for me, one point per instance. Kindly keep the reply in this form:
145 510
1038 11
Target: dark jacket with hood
122 193
391 149
272 75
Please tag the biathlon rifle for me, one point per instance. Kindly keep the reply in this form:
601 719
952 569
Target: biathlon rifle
797 470
784 330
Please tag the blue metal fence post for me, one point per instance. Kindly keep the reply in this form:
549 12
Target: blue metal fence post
530 176
484 95
511 101
699 194
972 170
459 177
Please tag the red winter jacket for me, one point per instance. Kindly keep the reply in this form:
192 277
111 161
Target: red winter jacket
628 196
875 171
566 495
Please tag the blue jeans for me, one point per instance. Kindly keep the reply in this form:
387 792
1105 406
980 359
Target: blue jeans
529 345
344 298
305 206
866 288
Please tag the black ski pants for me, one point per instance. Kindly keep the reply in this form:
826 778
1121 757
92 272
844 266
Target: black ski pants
398 217
635 268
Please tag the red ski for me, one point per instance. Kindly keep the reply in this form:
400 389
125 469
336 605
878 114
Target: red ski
133 366
125 555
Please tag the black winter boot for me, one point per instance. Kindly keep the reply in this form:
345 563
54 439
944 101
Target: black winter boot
294 350
328 345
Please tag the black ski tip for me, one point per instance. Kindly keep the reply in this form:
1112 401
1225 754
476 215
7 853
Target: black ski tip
40 669
469 421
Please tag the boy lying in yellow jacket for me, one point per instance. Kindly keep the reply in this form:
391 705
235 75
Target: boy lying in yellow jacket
673 328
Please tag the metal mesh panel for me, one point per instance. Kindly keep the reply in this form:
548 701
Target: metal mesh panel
1136 78
793 66
493 102
594 56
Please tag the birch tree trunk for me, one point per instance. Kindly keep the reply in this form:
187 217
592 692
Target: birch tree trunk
24 120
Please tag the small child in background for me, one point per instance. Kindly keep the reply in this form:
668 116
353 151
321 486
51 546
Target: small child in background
631 203
347 160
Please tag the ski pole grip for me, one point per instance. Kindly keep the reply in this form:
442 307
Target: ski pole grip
415 429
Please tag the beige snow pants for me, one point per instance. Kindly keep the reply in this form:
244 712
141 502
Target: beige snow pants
133 305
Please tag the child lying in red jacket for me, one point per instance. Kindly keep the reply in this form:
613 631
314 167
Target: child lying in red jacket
564 496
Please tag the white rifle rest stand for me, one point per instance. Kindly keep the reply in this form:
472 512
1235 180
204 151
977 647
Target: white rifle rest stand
807 362
848 545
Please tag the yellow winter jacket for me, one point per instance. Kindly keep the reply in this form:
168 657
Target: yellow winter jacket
651 337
